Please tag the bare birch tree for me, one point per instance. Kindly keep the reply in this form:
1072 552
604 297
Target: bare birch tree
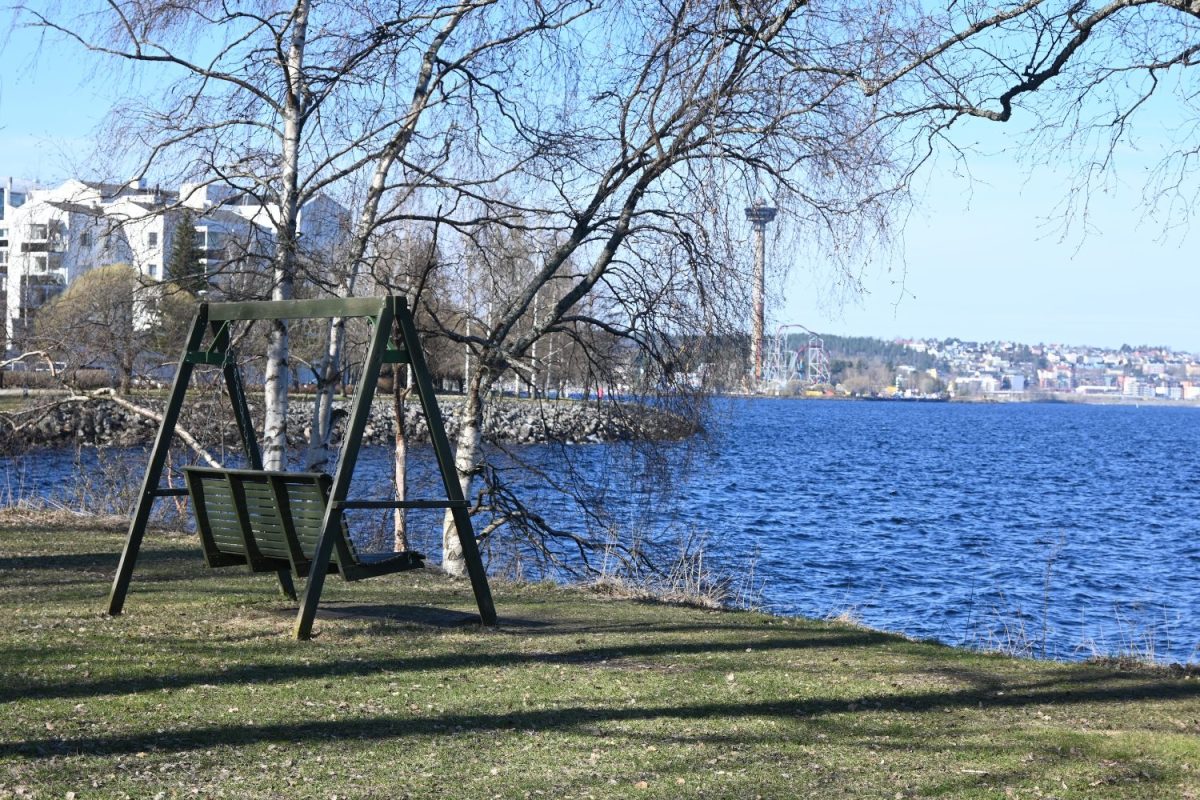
633 157
828 109
281 100
1074 77
249 82
456 47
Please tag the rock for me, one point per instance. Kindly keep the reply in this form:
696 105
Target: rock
104 423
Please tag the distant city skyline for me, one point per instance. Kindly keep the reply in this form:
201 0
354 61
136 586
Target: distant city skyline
981 259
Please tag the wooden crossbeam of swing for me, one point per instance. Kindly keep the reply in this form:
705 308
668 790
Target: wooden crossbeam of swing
206 357
297 309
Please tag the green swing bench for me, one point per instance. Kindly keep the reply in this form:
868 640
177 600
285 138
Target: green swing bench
293 523
271 521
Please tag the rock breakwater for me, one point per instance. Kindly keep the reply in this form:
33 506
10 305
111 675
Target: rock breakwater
104 423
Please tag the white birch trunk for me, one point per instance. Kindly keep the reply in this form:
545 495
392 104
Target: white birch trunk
400 393
275 384
466 461
275 392
329 376
320 454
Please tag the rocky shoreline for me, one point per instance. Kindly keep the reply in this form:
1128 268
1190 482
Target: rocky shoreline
104 423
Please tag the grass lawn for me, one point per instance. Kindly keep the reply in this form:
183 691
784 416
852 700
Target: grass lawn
197 690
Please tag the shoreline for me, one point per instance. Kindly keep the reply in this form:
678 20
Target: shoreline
1027 398
617 589
102 423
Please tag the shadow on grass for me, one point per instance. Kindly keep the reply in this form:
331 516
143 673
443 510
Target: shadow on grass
425 616
89 562
276 672
35 522
580 718
286 665
988 689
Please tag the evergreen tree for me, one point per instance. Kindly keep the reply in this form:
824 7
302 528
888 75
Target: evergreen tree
184 265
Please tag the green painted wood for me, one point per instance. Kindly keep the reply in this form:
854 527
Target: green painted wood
441 449
396 357
282 498
246 517
205 357
343 559
294 522
154 468
214 556
298 309
351 442
258 561
236 391
239 511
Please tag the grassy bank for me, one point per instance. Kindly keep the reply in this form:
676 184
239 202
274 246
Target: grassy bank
198 691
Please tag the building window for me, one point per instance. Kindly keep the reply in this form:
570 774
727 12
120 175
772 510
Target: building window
39 263
39 233
152 270
152 238
85 239
3 258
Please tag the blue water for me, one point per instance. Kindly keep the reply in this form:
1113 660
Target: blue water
1051 530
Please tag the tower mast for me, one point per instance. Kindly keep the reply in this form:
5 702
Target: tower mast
759 214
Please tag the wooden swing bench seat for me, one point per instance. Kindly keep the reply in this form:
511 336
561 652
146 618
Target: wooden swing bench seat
271 521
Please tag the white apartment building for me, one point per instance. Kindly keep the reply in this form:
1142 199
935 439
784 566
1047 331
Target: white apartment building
51 236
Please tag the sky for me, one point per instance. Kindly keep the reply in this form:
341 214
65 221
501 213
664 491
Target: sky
987 258
981 258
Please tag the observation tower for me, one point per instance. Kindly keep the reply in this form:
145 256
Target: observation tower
759 214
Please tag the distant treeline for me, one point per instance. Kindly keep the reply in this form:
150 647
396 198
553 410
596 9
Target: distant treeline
866 348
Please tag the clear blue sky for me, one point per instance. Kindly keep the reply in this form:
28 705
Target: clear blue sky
987 258
982 258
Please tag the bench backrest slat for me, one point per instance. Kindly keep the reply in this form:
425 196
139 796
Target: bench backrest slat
222 518
260 514
265 524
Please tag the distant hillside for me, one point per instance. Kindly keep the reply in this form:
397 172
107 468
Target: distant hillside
866 365
868 349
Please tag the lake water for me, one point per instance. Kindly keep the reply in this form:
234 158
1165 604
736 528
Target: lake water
1056 530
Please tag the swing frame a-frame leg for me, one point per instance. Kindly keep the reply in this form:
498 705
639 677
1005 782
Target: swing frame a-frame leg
382 312
150 491
377 354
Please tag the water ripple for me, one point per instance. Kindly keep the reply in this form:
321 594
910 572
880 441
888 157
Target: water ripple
1061 530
